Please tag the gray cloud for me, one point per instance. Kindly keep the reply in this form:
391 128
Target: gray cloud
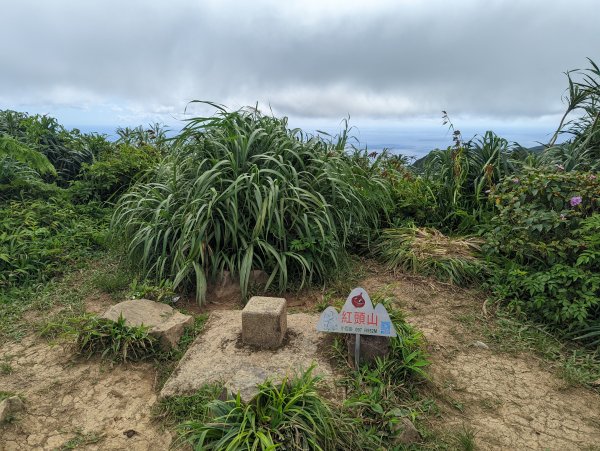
404 58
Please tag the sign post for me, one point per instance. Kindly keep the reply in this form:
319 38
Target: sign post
357 351
357 317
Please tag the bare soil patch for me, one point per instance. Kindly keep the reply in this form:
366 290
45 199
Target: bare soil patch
508 401
67 398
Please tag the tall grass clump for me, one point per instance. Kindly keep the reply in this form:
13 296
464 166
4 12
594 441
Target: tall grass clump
463 175
291 415
428 252
241 191
580 124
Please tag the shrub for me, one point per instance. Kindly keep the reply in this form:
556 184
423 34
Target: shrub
241 192
115 170
413 200
461 175
545 241
582 151
66 150
290 415
428 252
39 238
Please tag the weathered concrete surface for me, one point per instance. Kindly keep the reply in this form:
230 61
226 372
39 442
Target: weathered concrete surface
264 322
219 355
166 323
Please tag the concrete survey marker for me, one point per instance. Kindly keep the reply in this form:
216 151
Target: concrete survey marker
220 355
264 322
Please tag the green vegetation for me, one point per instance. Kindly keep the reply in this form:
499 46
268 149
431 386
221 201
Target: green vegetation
6 394
240 192
381 394
114 339
56 188
291 413
546 241
40 238
295 413
82 439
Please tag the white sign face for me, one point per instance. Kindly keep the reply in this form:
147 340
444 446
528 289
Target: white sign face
357 317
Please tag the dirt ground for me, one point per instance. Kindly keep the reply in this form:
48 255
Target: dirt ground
76 400
511 402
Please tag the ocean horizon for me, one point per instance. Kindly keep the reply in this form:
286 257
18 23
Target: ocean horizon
415 141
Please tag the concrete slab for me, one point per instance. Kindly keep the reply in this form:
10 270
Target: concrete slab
219 355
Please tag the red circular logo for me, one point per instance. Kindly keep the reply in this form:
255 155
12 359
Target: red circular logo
358 301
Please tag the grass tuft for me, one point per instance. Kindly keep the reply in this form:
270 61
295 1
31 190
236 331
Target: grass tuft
428 252
291 414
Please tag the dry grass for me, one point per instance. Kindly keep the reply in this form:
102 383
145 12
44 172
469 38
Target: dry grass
427 251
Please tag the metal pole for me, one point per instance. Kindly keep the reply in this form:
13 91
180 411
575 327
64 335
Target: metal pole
357 351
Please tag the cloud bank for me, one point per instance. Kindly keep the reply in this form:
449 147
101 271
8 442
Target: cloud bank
310 59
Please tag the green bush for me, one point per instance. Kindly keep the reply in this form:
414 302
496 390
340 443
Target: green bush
413 199
66 150
545 239
115 170
240 192
39 238
461 176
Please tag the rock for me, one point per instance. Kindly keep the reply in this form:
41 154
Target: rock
406 432
371 347
166 323
130 433
10 406
225 286
480 344
264 322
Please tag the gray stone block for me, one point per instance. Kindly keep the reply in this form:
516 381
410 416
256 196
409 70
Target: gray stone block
264 322
165 323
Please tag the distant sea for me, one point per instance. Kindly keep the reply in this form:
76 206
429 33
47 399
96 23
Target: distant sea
410 141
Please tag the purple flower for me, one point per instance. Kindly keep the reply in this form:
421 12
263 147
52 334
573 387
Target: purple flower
592 177
516 180
575 200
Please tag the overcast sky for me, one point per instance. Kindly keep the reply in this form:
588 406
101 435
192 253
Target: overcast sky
110 62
